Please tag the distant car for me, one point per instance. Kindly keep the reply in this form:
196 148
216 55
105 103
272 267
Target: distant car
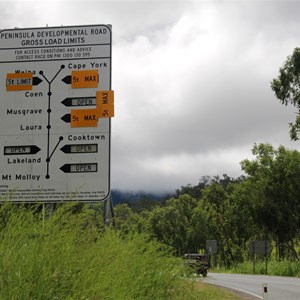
198 262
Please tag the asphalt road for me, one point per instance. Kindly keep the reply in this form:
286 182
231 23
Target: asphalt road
278 288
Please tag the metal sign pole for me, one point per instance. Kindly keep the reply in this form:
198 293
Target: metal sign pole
108 211
253 257
266 257
48 208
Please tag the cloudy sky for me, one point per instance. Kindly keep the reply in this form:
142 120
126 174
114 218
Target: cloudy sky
191 80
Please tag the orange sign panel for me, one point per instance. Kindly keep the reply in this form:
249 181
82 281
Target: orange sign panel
18 82
105 104
84 118
85 79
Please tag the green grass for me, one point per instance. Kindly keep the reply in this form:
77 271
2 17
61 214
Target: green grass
201 291
277 268
70 256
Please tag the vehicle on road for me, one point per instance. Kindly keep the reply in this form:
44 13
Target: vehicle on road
200 263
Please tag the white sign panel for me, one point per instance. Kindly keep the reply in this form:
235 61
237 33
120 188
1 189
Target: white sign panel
54 131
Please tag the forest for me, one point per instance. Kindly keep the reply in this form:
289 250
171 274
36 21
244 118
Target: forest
263 204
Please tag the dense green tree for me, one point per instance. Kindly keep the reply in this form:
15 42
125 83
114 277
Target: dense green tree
127 221
274 178
287 88
228 211
172 224
144 203
200 228
217 203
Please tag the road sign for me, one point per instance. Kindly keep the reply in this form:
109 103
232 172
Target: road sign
56 104
259 247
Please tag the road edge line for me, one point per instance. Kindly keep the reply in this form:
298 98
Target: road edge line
236 289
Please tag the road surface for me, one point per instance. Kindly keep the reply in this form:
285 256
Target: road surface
278 288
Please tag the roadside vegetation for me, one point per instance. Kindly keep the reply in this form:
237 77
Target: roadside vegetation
274 267
263 205
69 255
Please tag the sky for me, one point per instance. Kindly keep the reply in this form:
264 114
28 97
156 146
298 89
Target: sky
191 81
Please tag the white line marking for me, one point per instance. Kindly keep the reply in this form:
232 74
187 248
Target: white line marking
234 288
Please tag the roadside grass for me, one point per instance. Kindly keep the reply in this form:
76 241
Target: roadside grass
202 291
276 268
70 256
284 268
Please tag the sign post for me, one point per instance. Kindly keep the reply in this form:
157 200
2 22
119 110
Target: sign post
211 249
56 104
260 247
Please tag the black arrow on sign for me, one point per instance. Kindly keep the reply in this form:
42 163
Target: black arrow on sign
79 168
67 79
21 150
66 168
66 149
79 101
36 80
79 148
66 118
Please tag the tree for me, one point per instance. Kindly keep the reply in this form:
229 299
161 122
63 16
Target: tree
274 190
221 210
172 224
127 221
287 88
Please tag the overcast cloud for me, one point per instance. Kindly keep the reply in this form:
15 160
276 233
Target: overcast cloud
191 80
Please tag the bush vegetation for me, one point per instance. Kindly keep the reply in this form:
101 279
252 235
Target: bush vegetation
69 255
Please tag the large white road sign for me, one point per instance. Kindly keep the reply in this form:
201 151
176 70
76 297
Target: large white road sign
55 108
